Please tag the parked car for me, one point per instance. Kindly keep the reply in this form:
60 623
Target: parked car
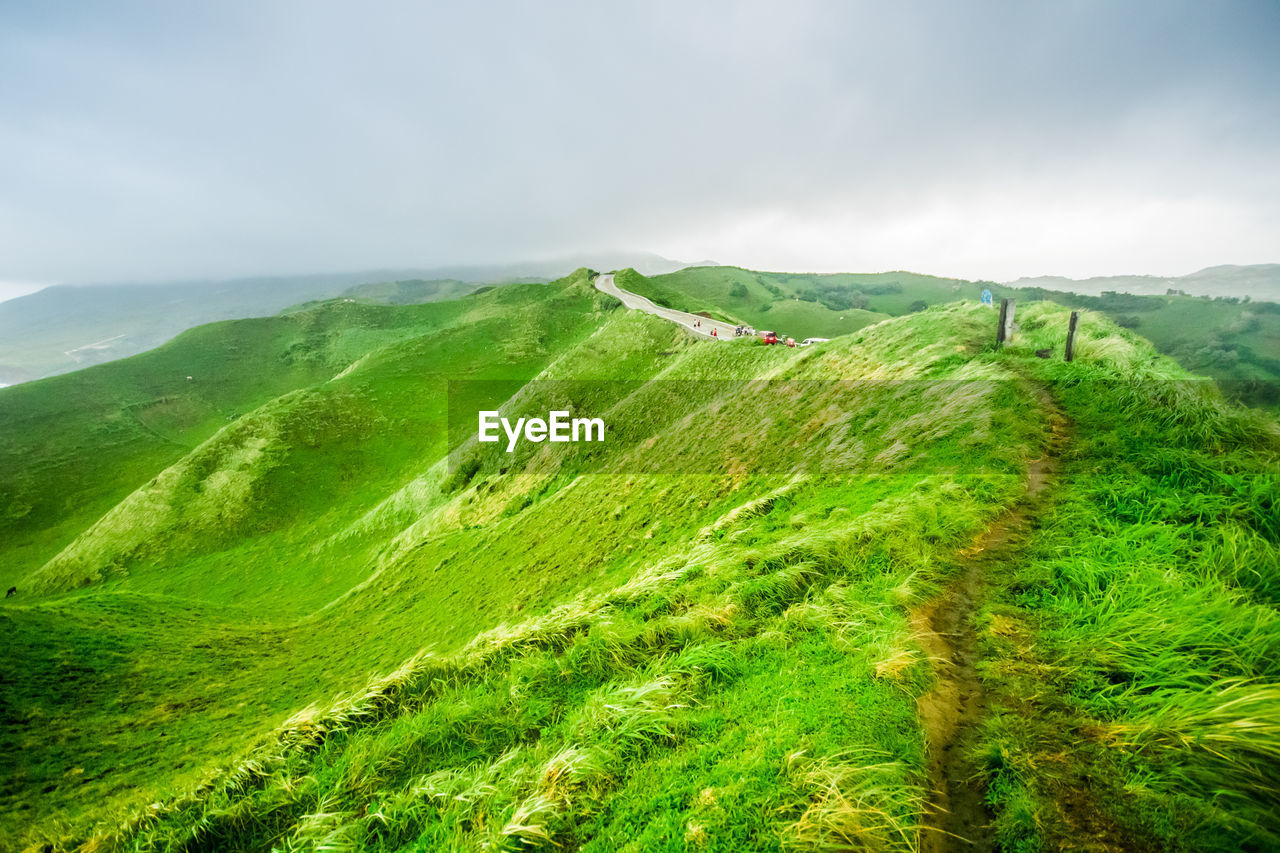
769 337
807 341
791 342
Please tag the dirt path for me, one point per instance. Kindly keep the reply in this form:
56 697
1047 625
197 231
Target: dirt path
950 712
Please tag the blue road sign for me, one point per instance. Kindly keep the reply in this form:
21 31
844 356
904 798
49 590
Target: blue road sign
986 296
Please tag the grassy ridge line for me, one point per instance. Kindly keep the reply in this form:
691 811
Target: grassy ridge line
781 557
257 474
643 728
294 662
1133 652
750 298
103 706
73 446
428 511
627 347
1234 341
630 632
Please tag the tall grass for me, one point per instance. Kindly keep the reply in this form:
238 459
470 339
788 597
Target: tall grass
538 733
1143 621
721 659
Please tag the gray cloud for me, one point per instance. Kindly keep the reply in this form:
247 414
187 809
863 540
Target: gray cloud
151 140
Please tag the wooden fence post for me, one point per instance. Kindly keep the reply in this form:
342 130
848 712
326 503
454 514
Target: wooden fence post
1071 335
1005 330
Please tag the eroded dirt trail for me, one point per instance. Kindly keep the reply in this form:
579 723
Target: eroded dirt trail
951 710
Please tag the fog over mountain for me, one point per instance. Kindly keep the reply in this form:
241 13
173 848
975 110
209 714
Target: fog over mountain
1258 282
148 141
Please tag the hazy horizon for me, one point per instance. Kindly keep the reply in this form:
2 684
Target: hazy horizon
153 143
13 290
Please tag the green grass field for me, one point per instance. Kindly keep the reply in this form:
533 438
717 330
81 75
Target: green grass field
800 305
264 608
1234 342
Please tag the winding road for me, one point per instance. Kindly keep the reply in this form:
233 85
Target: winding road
605 284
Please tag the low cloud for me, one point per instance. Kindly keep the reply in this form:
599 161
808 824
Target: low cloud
991 141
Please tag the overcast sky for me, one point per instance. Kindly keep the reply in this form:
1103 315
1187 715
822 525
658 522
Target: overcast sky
143 141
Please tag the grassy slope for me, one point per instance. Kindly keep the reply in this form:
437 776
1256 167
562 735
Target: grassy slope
1235 343
69 327
730 665
416 602
181 554
283 475
73 446
1134 650
411 291
741 295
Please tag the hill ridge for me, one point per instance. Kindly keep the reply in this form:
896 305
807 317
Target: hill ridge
698 633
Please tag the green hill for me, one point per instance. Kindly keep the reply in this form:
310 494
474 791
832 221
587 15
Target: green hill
73 446
69 327
307 609
1235 341
1230 338
799 304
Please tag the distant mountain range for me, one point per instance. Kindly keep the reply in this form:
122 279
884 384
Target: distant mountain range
67 327
1258 282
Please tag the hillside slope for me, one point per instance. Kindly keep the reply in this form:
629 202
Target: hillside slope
73 446
1227 336
701 633
68 327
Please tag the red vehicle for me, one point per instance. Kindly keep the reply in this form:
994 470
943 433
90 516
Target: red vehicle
769 337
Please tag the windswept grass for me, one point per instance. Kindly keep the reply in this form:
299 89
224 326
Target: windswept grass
1136 645
719 622
694 637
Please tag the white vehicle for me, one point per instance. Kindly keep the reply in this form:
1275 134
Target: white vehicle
808 341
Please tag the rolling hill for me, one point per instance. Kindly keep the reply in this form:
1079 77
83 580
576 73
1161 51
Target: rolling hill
1230 338
68 327
293 603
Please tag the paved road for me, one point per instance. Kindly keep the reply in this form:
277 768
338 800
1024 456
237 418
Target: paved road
604 283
